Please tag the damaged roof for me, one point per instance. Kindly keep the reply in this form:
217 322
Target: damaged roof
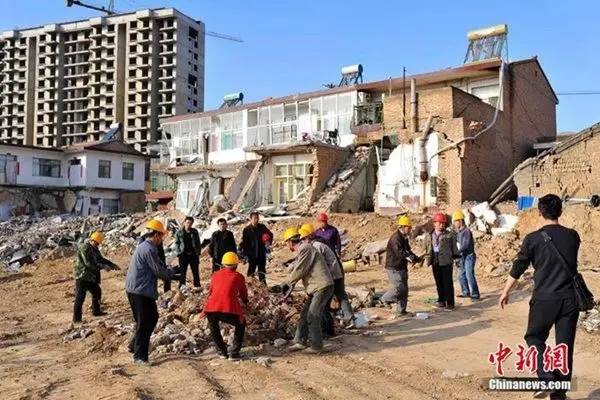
471 70
190 168
114 146
299 147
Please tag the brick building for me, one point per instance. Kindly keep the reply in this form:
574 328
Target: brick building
571 168
512 110
441 137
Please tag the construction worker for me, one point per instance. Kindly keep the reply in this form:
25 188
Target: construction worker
221 242
335 267
398 255
87 268
161 254
466 262
310 267
553 250
145 269
440 252
188 248
328 234
253 247
226 297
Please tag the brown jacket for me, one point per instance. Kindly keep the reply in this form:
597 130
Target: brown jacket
448 249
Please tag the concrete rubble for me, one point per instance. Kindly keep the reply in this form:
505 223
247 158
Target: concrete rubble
25 239
340 181
181 329
590 320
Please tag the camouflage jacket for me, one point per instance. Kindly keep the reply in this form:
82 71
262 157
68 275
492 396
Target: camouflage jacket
89 262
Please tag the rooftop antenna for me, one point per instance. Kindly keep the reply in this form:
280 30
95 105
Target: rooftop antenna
487 43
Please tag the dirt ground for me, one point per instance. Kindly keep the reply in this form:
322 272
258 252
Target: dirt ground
391 359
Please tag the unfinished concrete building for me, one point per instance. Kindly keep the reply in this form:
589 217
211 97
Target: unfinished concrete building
66 83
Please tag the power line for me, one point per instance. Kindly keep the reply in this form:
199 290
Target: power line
578 93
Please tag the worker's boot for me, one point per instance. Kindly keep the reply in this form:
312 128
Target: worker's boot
297 347
312 350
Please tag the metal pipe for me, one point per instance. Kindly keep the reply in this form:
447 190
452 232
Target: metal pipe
403 97
414 126
423 161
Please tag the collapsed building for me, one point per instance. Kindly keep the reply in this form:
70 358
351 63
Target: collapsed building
569 168
84 178
438 138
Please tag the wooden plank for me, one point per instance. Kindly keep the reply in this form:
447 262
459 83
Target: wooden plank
249 185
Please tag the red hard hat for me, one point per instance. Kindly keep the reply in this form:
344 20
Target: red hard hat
322 217
440 217
266 237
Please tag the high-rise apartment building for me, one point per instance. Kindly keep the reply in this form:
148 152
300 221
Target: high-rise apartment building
66 83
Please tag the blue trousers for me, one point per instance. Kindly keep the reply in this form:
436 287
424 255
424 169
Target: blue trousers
466 276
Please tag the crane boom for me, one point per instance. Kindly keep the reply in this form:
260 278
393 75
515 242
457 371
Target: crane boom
222 36
110 10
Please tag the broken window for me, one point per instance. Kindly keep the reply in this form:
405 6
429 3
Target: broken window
46 167
128 169
110 206
104 169
290 180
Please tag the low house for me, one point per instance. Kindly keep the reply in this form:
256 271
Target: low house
86 178
569 169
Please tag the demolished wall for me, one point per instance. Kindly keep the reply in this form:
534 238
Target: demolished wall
572 170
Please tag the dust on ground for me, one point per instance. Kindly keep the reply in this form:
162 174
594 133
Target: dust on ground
442 357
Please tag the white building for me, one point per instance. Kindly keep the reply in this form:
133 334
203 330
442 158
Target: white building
106 177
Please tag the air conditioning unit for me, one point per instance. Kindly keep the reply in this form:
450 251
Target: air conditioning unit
364 98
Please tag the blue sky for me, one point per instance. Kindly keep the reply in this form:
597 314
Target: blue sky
296 46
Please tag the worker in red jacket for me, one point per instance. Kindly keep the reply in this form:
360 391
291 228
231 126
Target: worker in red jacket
227 293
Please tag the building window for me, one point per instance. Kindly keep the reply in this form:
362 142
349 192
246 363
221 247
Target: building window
110 206
46 167
489 94
128 169
290 180
103 169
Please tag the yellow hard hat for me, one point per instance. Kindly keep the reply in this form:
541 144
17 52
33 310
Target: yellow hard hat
155 225
97 237
458 215
230 258
306 230
289 233
404 221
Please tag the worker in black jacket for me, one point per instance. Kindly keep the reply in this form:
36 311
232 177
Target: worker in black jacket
253 247
553 300
398 254
221 242
188 248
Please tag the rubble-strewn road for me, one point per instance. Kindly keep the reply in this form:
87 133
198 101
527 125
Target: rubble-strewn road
392 359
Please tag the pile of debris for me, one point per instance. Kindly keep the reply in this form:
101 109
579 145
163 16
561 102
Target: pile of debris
591 320
271 318
340 181
25 239
181 329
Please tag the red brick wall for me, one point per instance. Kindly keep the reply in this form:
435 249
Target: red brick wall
530 103
328 160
